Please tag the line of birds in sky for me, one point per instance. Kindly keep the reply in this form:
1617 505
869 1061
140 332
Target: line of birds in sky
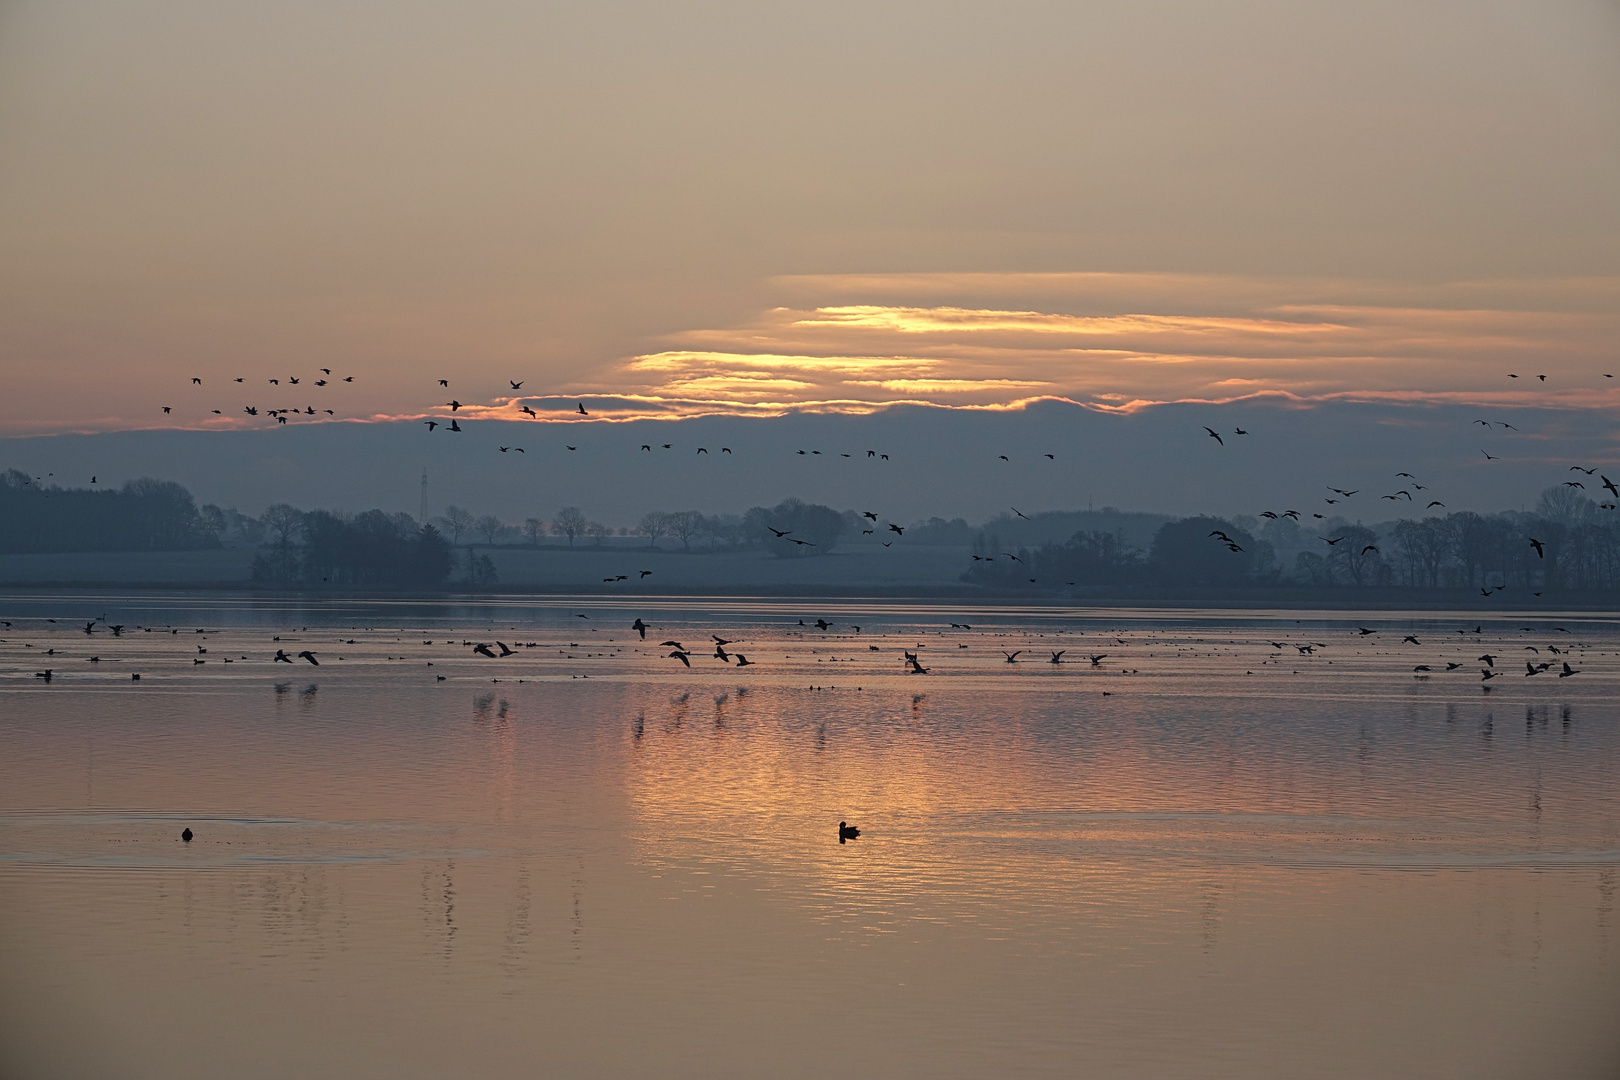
1406 492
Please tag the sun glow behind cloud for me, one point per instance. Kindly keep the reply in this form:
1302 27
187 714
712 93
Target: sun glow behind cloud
1130 341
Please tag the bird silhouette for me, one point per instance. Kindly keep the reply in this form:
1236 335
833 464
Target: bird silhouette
681 656
444 382
897 530
1330 543
515 385
847 832
484 650
186 834
742 661
1537 544
1057 657
1020 513
1012 657
431 424
454 426
1215 436
646 573
307 655
582 412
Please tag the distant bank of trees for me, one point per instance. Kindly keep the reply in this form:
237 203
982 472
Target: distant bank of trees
142 515
1579 551
368 549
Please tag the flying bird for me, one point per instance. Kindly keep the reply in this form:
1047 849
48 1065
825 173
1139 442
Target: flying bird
515 385
307 655
897 530
582 412
640 627
1215 436
1020 513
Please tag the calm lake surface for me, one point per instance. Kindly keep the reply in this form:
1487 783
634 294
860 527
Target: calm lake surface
1203 856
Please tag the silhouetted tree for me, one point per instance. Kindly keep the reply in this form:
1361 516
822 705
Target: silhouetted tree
489 527
457 523
570 523
1184 553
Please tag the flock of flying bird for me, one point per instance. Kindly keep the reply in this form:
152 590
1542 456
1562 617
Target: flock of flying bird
280 415
1406 493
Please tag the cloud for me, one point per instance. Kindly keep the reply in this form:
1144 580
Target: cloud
1128 340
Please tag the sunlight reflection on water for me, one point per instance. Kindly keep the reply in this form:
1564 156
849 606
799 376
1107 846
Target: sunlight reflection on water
1239 861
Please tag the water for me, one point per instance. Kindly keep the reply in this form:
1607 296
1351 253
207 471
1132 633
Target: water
1201 857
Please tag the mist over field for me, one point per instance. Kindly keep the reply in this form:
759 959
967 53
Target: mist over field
941 462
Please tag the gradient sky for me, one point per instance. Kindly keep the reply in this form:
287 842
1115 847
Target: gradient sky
728 208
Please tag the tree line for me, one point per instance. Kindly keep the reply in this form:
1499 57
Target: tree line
821 527
1577 548
141 515
317 547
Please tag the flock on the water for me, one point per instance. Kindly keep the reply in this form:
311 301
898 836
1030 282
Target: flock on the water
918 651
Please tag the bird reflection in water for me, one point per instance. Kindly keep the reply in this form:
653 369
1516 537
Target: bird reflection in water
847 832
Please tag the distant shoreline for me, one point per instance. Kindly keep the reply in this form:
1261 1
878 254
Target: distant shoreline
1371 600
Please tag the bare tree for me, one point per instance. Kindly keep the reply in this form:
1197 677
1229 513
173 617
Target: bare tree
570 523
457 522
211 519
284 522
685 524
533 530
596 530
489 526
653 525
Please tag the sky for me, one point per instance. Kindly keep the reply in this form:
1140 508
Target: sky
687 212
